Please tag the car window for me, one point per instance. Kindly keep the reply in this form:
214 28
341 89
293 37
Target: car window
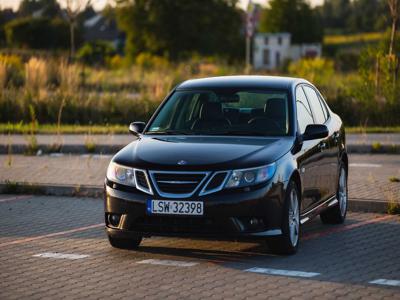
312 96
323 104
304 115
224 112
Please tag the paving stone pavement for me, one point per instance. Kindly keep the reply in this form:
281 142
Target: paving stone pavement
347 257
368 177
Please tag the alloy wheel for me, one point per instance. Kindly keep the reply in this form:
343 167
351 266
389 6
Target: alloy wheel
342 193
294 218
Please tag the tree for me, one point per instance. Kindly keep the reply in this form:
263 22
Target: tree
345 16
73 9
45 8
293 16
176 29
37 33
335 13
394 13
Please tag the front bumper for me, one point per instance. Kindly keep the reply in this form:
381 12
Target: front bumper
227 214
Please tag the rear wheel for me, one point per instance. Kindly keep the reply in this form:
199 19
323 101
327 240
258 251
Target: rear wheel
288 242
128 244
337 214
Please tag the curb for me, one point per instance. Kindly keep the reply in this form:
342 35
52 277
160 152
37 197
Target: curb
354 205
112 149
67 149
368 205
373 149
51 189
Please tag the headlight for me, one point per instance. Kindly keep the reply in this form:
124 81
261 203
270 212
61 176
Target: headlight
121 174
246 177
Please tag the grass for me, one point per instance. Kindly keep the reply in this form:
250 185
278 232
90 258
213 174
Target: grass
353 38
11 187
394 179
63 129
121 129
373 129
393 208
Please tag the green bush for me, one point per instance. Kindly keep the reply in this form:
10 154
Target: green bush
319 70
95 53
148 61
37 33
11 71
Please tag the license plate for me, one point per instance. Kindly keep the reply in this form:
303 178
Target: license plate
175 207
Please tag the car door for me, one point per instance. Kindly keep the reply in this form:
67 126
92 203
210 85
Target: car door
308 159
323 177
332 151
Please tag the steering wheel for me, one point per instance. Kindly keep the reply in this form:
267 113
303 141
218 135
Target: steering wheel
275 125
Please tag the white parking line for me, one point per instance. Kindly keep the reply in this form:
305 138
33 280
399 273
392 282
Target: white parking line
365 165
165 262
282 272
61 255
386 282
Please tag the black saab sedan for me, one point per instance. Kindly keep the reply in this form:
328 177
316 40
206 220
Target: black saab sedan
230 157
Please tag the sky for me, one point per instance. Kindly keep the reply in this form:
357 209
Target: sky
99 4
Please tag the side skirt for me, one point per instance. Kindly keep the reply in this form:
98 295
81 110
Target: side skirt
307 216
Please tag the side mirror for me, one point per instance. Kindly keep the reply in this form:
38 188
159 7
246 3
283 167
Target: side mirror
136 128
315 131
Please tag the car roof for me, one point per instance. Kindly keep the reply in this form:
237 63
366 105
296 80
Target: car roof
243 81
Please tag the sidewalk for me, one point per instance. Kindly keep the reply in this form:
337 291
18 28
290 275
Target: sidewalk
369 184
109 144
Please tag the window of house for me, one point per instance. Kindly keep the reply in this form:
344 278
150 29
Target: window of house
266 58
278 58
279 40
266 41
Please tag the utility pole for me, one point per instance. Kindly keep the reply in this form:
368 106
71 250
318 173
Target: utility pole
249 33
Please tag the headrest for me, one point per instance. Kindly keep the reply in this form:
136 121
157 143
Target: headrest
275 108
211 111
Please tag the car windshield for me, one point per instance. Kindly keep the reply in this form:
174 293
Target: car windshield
239 112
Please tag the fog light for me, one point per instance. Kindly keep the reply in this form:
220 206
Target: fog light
114 219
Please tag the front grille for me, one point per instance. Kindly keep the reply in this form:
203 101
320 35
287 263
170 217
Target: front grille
142 183
216 181
177 184
141 179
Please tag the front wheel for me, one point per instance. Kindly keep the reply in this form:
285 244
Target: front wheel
337 214
288 242
128 244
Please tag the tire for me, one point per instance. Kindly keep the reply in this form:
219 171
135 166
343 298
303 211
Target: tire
128 244
337 213
288 242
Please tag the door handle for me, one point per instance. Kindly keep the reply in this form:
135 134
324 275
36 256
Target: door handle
322 146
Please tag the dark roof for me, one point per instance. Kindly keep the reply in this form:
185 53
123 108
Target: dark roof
257 82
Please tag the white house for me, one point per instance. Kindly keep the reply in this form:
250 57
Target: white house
270 50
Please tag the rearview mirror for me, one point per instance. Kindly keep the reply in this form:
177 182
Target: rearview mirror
136 128
315 131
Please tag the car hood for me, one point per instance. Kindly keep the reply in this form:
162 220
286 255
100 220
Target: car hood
202 152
